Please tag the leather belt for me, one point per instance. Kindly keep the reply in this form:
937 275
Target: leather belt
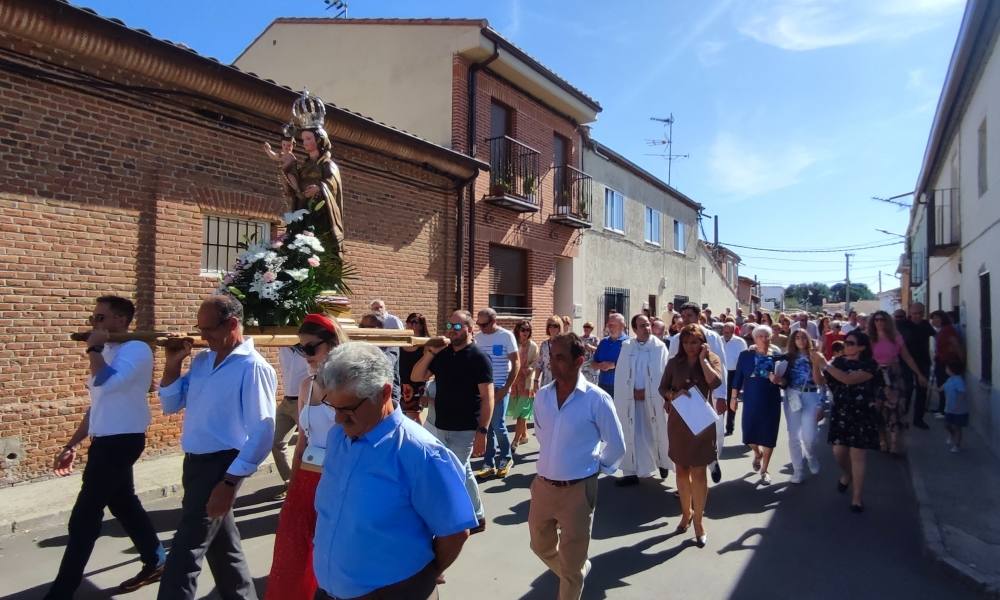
296 398
566 483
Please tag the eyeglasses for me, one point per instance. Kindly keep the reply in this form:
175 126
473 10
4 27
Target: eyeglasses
307 349
344 409
453 326
483 324
551 325
212 328
95 319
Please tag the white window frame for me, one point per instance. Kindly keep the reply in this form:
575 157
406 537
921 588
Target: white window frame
680 237
220 247
653 231
614 211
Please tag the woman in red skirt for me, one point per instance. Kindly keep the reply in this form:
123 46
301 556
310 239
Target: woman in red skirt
292 575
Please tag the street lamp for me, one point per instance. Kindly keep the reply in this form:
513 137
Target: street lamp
890 233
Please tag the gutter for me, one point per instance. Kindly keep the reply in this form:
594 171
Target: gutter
471 148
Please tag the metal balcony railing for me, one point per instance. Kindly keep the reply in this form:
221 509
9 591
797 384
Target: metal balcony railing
573 193
513 174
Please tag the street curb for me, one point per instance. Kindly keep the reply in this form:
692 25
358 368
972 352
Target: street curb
18 526
937 551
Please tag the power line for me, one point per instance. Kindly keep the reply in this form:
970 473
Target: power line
816 250
813 260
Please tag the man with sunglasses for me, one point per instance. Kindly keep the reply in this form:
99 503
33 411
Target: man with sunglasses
116 422
227 396
463 401
499 344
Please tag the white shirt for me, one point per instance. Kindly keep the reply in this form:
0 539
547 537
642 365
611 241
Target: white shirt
497 346
733 348
118 393
812 330
846 327
716 346
226 407
294 370
581 438
391 321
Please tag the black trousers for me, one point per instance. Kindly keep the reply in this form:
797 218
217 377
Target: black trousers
199 537
730 411
911 386
107 482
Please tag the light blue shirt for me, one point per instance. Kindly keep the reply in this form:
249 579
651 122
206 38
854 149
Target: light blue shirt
380 502
229 407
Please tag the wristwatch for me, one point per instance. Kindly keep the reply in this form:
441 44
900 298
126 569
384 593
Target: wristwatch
483 430
99 348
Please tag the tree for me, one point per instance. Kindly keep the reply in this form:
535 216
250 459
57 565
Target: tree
859 291
808 294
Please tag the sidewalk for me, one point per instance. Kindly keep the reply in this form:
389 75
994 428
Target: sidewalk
49 502
958 496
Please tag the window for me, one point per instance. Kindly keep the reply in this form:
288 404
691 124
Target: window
614 211
653 235
221 238
616 300
983 179
651 305
509 281
985 329
703 273
680 237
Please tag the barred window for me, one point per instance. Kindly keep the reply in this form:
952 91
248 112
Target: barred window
221 238
509 281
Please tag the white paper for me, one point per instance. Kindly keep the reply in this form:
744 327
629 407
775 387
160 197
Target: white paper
780 368
697 414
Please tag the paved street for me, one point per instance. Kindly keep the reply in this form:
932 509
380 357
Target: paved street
781 541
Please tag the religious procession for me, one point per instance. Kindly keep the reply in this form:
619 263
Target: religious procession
401 353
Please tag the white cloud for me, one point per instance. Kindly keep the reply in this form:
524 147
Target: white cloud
800 25
744 169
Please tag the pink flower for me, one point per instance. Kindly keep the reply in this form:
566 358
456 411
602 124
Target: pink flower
276 244
313 261
269 277
227 279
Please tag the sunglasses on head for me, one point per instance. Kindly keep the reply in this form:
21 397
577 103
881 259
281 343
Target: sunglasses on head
307 349
453 326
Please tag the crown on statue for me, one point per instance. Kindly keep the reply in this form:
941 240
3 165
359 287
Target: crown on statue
308 112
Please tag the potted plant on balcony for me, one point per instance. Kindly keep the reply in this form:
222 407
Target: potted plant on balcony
562 202
530 182
500 186
583 209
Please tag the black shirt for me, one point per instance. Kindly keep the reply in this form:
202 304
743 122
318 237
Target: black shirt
458 375
917 337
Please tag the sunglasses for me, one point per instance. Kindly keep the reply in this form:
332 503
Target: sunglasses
95 319
307 349
453 326
344 409
851 343
553 326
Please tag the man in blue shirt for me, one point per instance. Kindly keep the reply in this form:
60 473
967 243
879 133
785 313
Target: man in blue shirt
606 356
392 509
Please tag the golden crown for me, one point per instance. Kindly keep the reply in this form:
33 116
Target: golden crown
308 111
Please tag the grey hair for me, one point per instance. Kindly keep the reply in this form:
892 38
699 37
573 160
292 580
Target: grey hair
488 312
226 305
358 367
761 330
617 317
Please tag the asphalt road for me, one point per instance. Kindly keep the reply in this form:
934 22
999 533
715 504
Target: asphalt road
778 541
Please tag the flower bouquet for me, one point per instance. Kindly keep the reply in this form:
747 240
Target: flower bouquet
279 281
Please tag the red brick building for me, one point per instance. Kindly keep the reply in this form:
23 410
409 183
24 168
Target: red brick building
132 165
459 83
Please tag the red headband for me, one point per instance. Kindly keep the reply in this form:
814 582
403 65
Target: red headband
322 320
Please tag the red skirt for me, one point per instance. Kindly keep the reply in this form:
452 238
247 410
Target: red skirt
292 576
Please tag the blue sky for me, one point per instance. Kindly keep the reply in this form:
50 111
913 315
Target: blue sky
794 112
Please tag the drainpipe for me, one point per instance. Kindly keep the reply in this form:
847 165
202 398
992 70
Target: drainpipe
472 147
460 238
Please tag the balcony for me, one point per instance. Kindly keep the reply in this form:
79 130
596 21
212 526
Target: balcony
944 222
513 175
573 193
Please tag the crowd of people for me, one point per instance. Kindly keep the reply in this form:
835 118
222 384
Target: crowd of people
387 435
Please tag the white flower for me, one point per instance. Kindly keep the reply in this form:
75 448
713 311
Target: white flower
306 244
264 289
295 215
298 274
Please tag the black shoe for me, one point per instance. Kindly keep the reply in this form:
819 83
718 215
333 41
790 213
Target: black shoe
146 576
920 425
716 472
664 473
729 432
842 487
478 528
857 508
627 481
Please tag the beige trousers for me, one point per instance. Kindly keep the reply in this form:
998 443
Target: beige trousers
559 521
284 422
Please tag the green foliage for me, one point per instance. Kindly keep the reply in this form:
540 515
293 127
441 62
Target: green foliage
859 291
808 294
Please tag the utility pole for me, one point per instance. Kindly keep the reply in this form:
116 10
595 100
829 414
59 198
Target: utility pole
847 288
880 282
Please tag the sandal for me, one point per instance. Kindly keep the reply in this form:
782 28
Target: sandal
842 487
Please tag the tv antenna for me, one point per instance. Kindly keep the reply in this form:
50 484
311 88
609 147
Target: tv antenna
668 141
338 5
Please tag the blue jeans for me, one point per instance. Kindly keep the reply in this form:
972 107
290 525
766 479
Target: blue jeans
460 444
498 431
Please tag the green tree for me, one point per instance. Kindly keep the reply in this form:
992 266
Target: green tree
859 291
808 294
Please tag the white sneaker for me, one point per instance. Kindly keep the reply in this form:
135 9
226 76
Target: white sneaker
938 415
954 450
796 477
813 465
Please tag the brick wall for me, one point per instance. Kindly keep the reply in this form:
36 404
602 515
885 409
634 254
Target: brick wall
534 124
103 190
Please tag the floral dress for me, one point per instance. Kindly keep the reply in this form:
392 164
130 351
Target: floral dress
854 420
544 364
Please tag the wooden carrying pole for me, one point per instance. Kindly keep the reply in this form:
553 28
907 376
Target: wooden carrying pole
267 337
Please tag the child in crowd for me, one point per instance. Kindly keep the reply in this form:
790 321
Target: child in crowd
956 406
837 348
